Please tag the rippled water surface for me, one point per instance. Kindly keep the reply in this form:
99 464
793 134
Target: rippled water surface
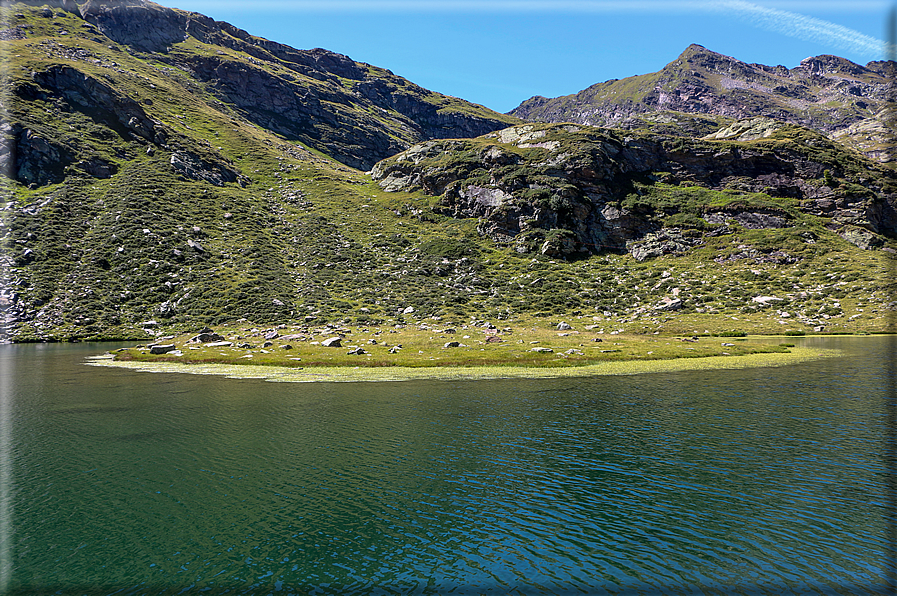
763 481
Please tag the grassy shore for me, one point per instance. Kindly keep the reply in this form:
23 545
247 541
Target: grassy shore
404 373
438 350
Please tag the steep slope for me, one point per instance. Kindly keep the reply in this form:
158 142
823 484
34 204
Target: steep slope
135 190
141 198
825 93
354 112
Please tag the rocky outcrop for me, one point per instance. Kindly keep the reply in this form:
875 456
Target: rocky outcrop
193 166
145 26
33 159
87 93
564 190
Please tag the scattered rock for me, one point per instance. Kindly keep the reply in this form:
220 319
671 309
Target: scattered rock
205 337
669 304
356 352
219 344
541 350
194 167
861 238
333 342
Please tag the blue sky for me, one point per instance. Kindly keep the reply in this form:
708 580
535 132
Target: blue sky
501 52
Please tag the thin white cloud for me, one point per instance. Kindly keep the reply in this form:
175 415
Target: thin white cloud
772 16
803 27
411 6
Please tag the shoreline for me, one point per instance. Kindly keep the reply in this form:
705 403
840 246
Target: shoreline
358 374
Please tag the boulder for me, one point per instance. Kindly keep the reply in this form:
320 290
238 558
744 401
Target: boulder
195 167
333 342
161 349
451 344
562 326
356 352
669 304
541 350
205 337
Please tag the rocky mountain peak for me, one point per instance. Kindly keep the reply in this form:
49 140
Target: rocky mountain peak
827 93
826 64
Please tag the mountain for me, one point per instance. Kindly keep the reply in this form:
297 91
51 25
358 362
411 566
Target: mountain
829 94
163 172
353 112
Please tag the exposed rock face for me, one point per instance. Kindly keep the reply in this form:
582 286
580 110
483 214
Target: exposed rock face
352 111
194 167
143 25
825 93
87 93
34 159
564 190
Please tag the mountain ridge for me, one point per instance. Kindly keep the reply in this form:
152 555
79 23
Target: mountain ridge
825 93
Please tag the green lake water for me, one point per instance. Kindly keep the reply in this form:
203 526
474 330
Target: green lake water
756 481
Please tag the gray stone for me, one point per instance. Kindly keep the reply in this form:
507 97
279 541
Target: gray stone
451 344
219 344
161 349
562 326
861 238
356 352
333 342
205 337
541 350
669 304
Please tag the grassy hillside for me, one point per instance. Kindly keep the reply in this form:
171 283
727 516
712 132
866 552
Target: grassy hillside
140 199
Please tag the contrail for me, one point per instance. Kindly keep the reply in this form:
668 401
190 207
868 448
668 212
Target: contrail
804 27
792 24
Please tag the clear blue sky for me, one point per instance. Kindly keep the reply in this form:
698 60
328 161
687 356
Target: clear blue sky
501 52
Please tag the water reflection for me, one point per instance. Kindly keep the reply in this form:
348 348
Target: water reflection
761 481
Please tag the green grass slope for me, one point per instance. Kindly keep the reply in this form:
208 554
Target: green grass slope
142 199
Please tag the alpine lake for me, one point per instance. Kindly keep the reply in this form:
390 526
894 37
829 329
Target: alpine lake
744 481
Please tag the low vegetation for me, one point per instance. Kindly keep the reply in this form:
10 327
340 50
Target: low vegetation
105 238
